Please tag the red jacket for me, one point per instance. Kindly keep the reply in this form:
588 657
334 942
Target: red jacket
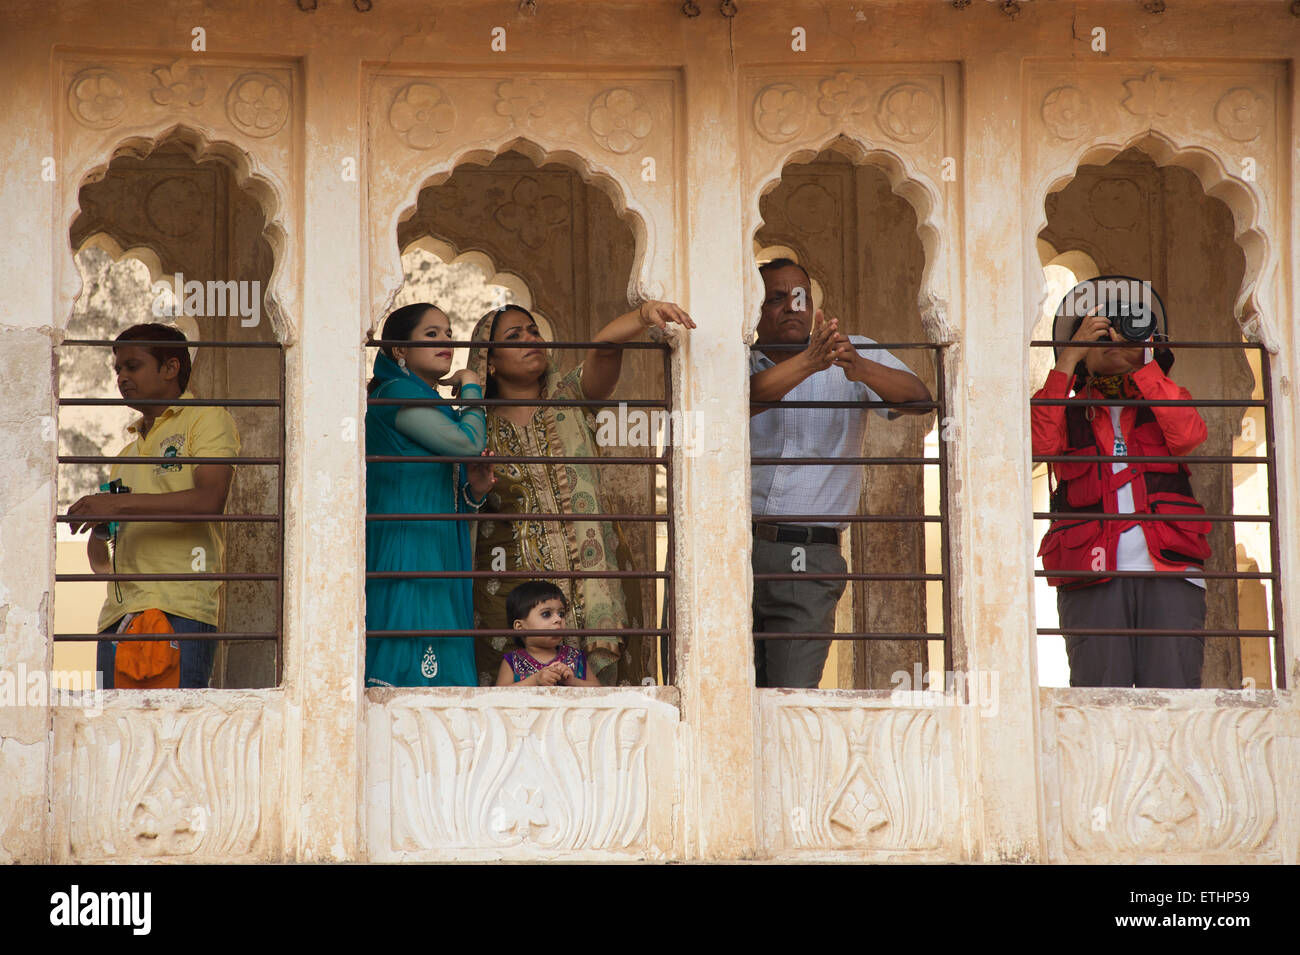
1163 488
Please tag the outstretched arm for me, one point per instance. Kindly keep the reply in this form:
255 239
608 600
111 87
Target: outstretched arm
602 366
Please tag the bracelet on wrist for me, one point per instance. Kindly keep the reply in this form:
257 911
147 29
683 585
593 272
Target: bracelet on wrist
474 504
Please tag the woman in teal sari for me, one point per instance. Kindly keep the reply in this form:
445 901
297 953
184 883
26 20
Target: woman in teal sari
421 488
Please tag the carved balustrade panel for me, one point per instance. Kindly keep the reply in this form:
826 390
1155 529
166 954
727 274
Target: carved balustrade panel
183 774
1162 776
520 773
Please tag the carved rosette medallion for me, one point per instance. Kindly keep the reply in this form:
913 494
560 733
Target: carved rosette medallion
179 85
843 95
531 215
1115 203
1151 96
257 105
619 120
520 100
780 111
174 206
421 114
1067 112
908 113
810 208
1241 113
96 98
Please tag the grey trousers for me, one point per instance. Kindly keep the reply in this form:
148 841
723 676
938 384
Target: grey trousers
1128 603
794 606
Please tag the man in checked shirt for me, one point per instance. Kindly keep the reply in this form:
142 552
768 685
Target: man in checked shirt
831 367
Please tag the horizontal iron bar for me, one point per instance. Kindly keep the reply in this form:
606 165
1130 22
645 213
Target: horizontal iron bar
170 402
516 574
1149 458
847 404
598 634
904 635
1151 402
510 518
508 459
398 343
1138 632
169 518
1177 574
1107 343
158 459
1190 518
850 518
800 346
530 402
193 343
77 578
819 576
100 637
769 462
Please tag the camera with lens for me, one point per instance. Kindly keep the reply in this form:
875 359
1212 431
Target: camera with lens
1133 321
108 531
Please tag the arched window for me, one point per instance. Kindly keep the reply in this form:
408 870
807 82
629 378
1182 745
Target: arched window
536 235
1131 217
169 240
856 240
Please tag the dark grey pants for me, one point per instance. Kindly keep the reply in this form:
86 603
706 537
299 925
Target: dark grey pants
794 606
1128 603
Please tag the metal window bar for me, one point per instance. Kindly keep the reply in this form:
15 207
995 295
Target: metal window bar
667 627
1269 460
278 462
944 577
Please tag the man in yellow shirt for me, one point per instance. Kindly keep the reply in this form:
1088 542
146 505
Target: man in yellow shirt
151 373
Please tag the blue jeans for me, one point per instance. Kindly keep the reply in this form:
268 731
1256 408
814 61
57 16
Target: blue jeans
196 655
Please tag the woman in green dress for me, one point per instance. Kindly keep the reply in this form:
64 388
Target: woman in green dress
421 488
597 604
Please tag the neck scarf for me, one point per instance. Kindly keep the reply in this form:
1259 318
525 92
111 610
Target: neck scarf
1114 386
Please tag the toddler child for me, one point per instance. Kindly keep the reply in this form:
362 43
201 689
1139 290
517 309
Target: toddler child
541 660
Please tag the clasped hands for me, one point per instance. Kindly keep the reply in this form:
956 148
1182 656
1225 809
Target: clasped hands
555 673
828 346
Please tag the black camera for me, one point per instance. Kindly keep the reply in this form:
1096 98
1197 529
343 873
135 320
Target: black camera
1133 321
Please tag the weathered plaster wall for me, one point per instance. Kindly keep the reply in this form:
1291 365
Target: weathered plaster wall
334 121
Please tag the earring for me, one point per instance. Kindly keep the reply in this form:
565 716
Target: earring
401 363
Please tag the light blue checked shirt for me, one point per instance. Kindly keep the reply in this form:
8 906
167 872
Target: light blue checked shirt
814 433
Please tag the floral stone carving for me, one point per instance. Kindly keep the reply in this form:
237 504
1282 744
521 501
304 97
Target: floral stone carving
619 120
780 111
908 113
1067 112
421 113
257 105
96 98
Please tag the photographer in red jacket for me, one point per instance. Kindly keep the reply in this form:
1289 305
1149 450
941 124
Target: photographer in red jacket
1101 602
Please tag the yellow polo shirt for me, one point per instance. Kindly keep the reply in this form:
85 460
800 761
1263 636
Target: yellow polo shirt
164 548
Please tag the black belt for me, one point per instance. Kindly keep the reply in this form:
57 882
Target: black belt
797 534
